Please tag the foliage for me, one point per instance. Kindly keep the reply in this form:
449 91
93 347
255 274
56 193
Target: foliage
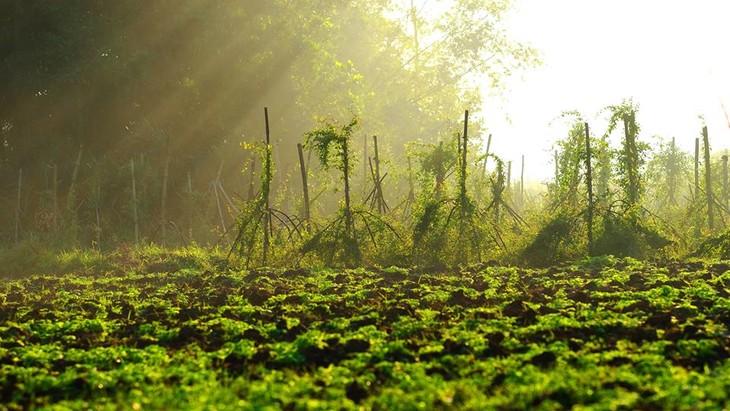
256 221
558 240
122 79
603 333
631 158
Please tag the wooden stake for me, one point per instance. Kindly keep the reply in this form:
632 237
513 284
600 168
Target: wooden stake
134 205
217 197
97 204
486 156
190 197
630 153
509 176
17 207
522 178
589 184
462 182
708 182
55 192
697 169
267 173
163 205
305 186
71 199
365 165
378 188
725 180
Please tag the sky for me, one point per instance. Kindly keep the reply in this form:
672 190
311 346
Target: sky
671 57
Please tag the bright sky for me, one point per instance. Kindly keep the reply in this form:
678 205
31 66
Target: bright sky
672 57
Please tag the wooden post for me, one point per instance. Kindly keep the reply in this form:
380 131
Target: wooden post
557 168
708 182
134 205
589 184
71 199
267 174
498 191
55 193
305 187
411 191
672 173
724 181
486 156
250 179
17 207
522 178
378 188
217 196
630 153
97 211
163 205
697 169
365 165
191 205
509 176
349 223
462 177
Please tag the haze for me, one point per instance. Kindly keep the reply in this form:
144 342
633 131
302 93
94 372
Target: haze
670 56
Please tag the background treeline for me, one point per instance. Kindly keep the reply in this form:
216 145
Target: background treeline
143 122
177 85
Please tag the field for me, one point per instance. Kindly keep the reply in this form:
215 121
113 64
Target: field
603 333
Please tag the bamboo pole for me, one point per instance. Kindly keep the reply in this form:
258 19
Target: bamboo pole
589 184
708 182
305 186
17 207
134 205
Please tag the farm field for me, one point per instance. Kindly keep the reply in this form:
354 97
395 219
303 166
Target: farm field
603 333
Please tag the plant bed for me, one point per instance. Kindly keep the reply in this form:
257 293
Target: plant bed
601 333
